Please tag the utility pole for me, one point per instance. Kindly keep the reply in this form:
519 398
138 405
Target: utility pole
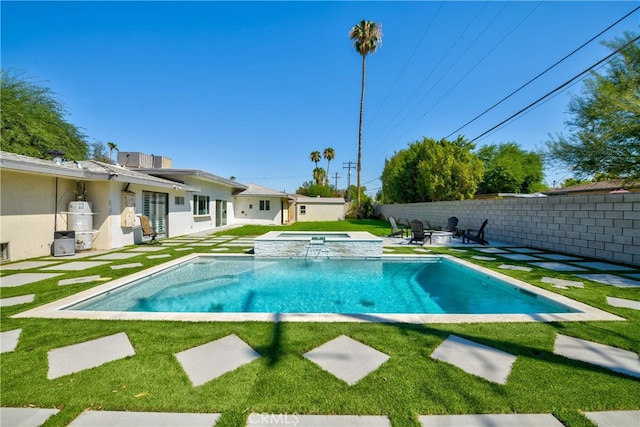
335 176
348 166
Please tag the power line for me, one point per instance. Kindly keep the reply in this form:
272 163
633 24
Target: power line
542 73
557 88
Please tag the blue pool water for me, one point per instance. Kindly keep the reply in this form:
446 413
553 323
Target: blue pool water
321 286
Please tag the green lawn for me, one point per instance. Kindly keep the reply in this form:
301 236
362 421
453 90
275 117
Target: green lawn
283 381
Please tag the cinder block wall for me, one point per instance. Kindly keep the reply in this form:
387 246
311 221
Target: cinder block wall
605 226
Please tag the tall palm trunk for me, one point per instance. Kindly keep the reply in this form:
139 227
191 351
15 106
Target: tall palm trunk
359 166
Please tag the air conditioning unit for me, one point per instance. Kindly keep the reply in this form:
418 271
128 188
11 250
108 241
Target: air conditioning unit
64 243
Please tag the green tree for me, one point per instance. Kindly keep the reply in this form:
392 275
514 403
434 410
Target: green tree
112 147
329 154
315 157
510 169
367 207
431 170
366 37
605 125
32 121
319 175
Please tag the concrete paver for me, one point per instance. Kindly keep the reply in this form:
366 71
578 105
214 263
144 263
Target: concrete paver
616 359
317 420
526 251
623 303
88 354
143 419
562 283
159 256
559 257
611 279
209 361
76 280
115 256
11 301
490 420
25 417
604 266
76 265
520 257
615 418
147 249
557 266
347 359
20 279
477 359
484 258
26 265
515 267
9 340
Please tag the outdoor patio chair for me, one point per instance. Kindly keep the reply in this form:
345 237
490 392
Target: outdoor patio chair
147 229
418 234
395 231
452 226
478 238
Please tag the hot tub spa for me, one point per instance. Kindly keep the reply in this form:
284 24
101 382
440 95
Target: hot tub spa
304 244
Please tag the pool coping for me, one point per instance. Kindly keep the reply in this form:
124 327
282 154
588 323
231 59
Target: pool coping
56 309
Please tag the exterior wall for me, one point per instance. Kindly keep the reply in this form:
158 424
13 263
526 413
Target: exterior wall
319 211
605 226
247 211
181 218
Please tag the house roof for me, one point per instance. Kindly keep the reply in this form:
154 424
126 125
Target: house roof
255 190
197 173
90 170
595 187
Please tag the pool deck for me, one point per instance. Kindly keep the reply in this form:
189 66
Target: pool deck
345 358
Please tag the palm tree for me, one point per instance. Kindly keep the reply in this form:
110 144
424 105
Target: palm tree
319 175
112 146
329 154
315 157
366 37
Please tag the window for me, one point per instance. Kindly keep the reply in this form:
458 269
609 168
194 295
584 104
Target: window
265 205
200 204
303 209
179 200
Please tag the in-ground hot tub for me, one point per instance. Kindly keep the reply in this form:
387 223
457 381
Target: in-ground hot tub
304 244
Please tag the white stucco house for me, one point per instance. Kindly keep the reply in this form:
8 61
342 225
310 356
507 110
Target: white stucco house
35 198
261 205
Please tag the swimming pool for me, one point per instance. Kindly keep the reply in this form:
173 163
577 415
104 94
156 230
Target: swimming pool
409 278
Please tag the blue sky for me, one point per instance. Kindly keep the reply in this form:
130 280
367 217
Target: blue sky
250 89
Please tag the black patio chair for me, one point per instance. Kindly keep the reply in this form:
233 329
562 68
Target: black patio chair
418 234
478 238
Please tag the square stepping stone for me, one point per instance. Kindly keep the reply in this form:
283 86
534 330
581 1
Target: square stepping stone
123 266
487 362
88 354
219 249
25 417
520 257
558 257
11 301
614 418
77 265
623 303
77 280
491 420
143 419
604 266
209 361
562 283
188 248
525 250
616 359
159 256
238 244
9 340
172 243
610 279
347 359
457 250
317 420
484 258
202 244
154 248
493 251
20 279
422 250
557 266
514 267
26 265
116 256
